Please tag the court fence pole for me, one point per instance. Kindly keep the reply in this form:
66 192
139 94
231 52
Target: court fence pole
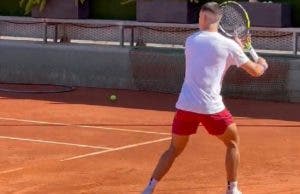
122 34
295 46
55 33
45 39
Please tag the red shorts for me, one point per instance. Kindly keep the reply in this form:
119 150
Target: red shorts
186 123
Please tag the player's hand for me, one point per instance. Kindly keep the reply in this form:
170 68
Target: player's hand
263 63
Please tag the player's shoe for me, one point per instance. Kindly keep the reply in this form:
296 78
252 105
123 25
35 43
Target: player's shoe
233 191
148 191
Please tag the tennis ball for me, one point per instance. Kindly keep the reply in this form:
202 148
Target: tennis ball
113 97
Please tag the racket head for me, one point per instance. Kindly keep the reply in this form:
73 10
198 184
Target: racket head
235 20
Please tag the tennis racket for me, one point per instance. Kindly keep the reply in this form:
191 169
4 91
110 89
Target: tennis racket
236 23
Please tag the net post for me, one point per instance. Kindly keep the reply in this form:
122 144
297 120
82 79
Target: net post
55 33
0 28
122 32
140 41
45 39
132 36
295 43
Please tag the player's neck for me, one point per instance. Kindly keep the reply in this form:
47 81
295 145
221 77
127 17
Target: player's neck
210 28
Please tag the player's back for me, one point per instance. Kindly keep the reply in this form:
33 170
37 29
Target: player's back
208 56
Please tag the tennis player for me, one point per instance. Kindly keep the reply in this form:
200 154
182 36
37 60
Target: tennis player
208 56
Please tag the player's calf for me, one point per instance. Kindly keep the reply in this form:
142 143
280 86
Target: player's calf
177 146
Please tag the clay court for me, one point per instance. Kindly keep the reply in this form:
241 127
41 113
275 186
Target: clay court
80 142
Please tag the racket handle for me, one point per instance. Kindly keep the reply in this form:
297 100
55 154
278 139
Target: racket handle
253 54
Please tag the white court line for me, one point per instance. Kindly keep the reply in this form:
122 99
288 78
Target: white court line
115 149
12 170
83 126
55 142
97 153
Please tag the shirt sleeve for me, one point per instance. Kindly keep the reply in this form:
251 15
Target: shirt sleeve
237 55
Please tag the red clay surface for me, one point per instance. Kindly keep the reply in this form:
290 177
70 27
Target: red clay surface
38 132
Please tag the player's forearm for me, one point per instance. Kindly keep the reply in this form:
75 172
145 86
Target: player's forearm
259 70
256 69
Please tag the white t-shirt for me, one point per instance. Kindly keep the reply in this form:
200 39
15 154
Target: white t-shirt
208 56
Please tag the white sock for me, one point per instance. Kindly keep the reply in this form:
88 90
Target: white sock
152 183
232 185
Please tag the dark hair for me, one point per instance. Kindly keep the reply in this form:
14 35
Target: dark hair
212 7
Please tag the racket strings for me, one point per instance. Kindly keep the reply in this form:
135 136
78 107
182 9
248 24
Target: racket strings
234 21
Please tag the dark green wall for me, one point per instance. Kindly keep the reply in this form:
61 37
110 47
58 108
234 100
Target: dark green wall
100 9
295 10
112 9
10 8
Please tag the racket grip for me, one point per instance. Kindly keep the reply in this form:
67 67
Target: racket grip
253 54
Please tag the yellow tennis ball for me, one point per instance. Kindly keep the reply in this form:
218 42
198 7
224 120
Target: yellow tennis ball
113 97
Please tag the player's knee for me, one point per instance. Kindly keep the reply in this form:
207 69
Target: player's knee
232 144
231 138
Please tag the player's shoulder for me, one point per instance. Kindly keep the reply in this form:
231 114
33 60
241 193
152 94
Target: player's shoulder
226 40
231 44
191 39
193 36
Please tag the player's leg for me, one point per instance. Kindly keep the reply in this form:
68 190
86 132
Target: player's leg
222 126
184 125
165 162
176 147
231 140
